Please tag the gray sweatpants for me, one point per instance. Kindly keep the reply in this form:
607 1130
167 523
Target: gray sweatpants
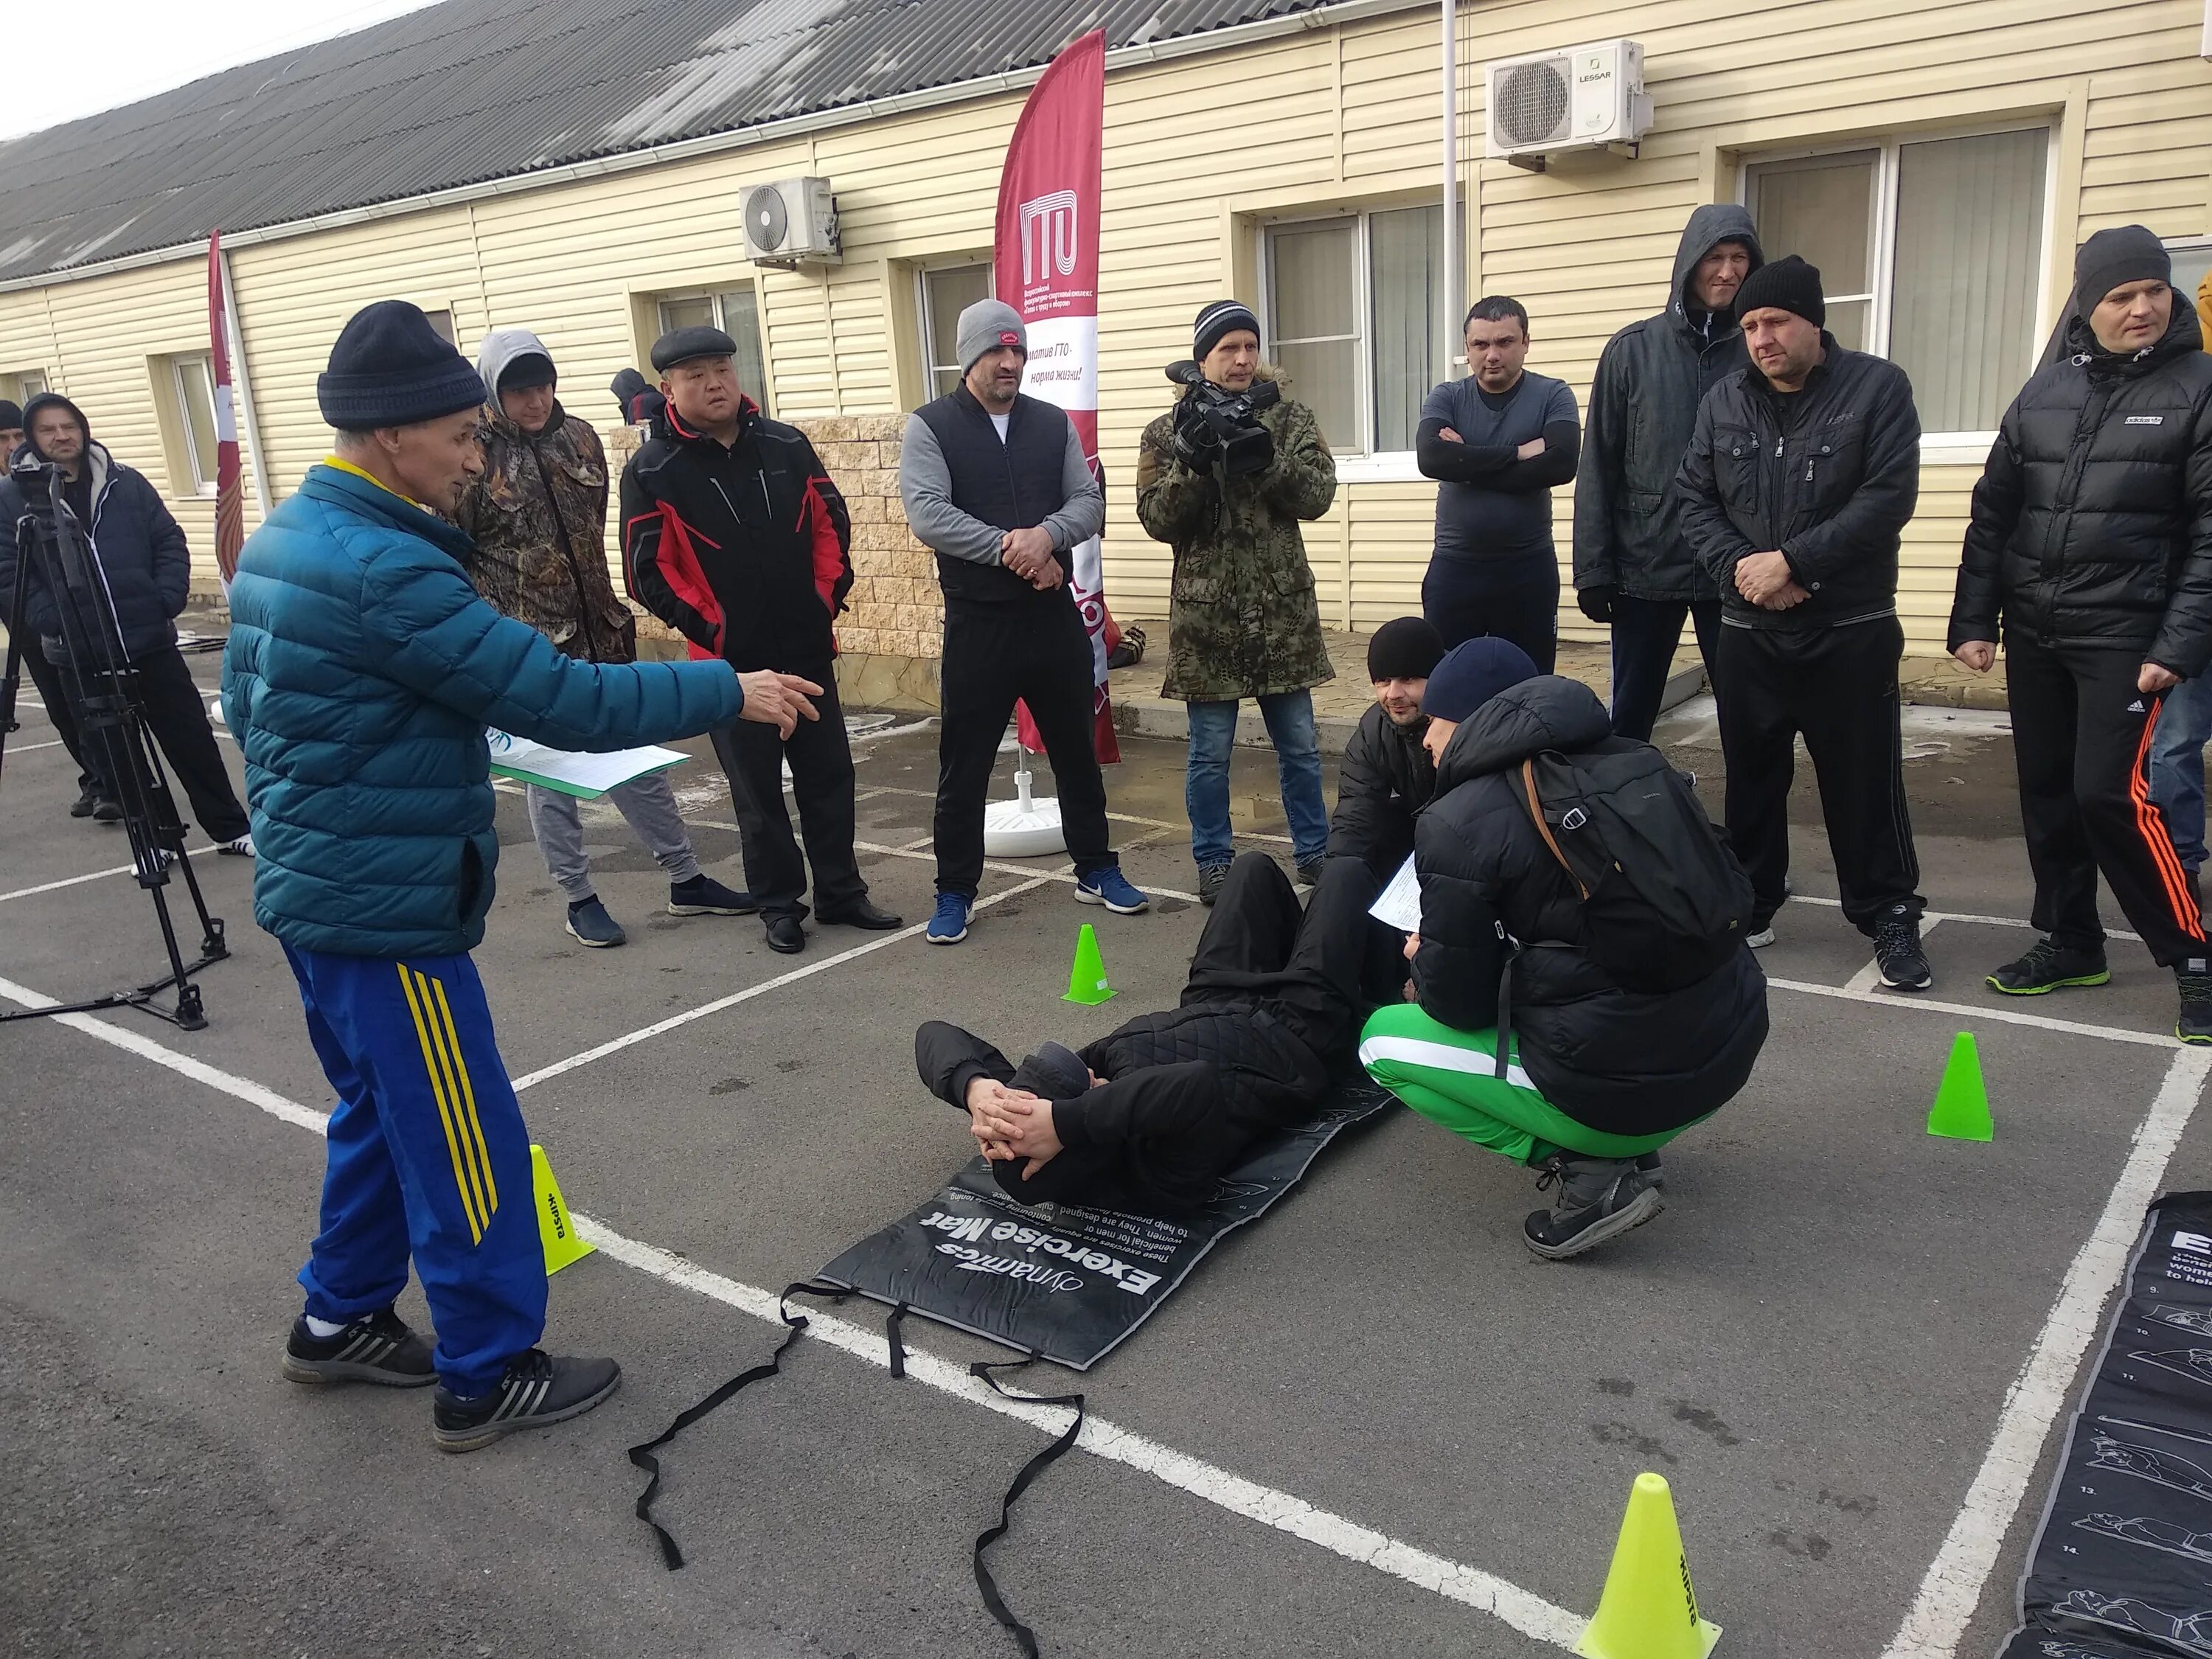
649 804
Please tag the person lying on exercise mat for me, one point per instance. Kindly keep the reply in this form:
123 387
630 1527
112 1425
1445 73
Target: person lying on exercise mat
1575 894
1148 1117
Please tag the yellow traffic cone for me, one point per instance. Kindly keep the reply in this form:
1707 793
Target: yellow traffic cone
1649 1610
555 1230
1086 977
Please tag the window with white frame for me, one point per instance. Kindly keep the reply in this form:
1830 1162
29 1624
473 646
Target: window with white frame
944 292
1931 254
442 324
192 385
25 384
736 312
2193 260
1355 319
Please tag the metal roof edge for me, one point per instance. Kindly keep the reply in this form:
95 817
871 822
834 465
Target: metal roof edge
1188 46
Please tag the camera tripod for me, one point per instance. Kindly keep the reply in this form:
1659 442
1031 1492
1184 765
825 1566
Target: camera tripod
104 687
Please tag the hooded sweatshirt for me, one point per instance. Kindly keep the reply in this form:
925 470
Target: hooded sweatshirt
1643 407
140 547
538 515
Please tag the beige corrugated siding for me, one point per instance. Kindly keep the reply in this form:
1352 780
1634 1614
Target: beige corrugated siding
1201 152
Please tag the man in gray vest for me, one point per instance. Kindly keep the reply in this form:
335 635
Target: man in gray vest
998 485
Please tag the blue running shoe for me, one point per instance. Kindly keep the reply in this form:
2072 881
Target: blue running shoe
590 924
948 923
1110 888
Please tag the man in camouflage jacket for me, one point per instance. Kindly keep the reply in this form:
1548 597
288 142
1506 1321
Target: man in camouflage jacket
538 514
1243 620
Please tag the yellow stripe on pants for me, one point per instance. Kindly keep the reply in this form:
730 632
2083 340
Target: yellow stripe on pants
468 1100
438 1092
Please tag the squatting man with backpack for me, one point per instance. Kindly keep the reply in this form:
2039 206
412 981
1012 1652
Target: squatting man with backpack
2089 552
1572 1005
1800 474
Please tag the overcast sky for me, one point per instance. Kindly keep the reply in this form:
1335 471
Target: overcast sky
67 60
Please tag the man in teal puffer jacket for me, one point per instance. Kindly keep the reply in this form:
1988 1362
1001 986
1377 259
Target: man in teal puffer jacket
362 672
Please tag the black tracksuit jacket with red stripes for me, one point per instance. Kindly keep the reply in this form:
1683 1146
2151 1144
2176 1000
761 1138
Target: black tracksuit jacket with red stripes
747 550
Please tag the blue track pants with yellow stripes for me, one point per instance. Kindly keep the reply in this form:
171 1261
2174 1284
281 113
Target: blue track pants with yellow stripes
427 1155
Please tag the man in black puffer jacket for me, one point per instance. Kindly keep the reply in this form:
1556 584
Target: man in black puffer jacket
1600 1077
2089 553
140 551
1386 777
1148 1117
1795 489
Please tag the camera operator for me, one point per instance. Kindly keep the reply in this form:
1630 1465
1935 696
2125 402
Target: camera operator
147 567
1223 479
90 792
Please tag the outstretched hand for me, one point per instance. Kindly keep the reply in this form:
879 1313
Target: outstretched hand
777 700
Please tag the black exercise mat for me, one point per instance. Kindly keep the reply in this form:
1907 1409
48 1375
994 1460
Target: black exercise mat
2122 1566
1062 1282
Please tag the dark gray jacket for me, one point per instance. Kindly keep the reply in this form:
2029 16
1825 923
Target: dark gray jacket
1643 406
2093 521
1827 477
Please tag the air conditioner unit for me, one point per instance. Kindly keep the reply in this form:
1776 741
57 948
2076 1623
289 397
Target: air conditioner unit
791 223
1584 98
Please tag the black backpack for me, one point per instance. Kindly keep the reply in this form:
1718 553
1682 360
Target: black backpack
1664 901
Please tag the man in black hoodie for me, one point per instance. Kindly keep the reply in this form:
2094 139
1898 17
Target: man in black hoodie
733 535
1148 1117
1796 489
142 553
1634 567
2089 553
1599 1076
1386 775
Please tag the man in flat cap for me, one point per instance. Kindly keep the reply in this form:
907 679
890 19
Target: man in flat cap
733 535
996 484
361 671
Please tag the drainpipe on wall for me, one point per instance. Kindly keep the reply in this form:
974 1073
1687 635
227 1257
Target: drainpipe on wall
1451 186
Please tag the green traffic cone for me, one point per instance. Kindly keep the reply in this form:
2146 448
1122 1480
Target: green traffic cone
1086 979
1961 1111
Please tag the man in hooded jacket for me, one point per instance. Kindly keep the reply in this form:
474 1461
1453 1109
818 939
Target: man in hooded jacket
1634 567
538 516
1600 1077
142 553
2089 553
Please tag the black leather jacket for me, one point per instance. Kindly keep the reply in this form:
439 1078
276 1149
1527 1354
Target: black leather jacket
1827 476
2092 524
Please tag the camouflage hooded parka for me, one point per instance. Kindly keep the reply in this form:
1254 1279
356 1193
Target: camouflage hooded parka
1243 619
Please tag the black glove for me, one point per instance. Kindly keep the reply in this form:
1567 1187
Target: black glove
1596 601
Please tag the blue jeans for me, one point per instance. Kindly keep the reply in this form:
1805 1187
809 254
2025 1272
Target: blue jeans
2177 766
1290 720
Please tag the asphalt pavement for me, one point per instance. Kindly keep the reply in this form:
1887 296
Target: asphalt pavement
1372 1424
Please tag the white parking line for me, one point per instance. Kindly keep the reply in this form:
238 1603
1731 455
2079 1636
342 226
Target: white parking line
1907 1000
1959 915
1953 1588
33 748
94 875
1527 1612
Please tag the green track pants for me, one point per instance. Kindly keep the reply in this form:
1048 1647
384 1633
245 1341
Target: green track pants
1451 1078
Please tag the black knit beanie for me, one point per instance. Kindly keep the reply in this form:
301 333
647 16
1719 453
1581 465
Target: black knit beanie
390 368
1787 284
2125 254
528 372
11 416
1404 648
1223 317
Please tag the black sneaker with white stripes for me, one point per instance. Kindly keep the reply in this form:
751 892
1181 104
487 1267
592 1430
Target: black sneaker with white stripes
536 1389
377 1347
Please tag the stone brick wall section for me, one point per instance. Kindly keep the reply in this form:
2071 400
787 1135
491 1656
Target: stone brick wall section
893 608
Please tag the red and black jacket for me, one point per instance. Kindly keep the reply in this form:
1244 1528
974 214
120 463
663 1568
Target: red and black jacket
747 551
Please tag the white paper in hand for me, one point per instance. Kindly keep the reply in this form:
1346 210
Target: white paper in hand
1399 905
588 776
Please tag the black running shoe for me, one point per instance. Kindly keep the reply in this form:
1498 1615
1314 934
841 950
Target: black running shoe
538 1389
377 1347
1599 1198
1898 955
1210 879
2049 966
2194 1023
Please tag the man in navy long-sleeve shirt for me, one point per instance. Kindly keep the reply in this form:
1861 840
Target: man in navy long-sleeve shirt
1497 441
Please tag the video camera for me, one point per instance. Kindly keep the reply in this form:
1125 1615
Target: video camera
1214 429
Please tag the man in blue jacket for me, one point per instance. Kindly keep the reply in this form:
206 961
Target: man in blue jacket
362 672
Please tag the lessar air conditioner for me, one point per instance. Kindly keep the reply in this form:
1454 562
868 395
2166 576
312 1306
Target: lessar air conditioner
791 223
1584 98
